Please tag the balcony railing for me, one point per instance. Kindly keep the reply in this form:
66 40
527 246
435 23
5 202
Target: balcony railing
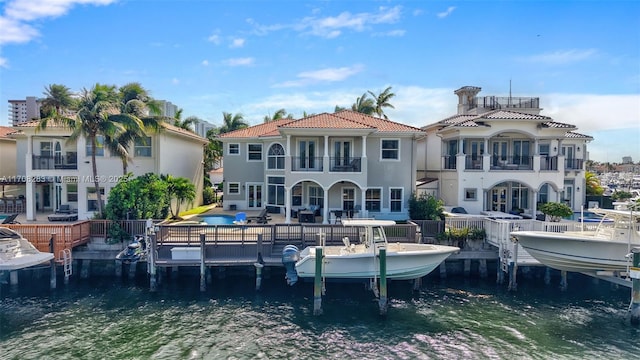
548 163
498 102
449 162
573 164
306 163
473 162
68 161
341 164
512 163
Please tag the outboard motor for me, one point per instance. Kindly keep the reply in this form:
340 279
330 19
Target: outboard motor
290 255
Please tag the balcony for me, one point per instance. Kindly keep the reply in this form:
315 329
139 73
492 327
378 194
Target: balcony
573 164
548 163
340 164
306 163
512 163
498 102
68 161
449 162
473 162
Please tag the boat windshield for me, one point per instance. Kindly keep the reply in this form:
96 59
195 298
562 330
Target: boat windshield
378 235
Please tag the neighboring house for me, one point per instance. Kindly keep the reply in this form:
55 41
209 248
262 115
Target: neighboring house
499 154
216 176
340 161
55 172
7 164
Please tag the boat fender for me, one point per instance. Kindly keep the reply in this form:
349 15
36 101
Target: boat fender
290 255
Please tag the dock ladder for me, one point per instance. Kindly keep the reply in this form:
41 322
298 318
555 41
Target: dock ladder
67 263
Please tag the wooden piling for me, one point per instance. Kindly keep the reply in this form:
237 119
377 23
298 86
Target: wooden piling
382 301
564 285
203 267
317 283
133 266
153 280
13 277
52 263
547 275
118 264
482 268
634 308
84 270
258 275
513 270
443 270
467 267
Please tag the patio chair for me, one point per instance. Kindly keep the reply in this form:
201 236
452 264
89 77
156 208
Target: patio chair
10 219
241 218
64 209
261 218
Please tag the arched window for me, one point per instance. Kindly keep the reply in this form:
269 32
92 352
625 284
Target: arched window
276 157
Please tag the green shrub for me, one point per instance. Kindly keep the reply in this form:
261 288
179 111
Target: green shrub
556 211
208 195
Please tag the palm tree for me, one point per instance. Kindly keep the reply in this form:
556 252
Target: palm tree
339 108
180 189
232 122
98 116
382 101
187 123
593 184
364 105
137 100
280 114
58 99
213 150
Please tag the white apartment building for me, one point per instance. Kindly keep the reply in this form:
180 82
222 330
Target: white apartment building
21 111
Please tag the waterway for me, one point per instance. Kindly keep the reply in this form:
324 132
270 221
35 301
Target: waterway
453 318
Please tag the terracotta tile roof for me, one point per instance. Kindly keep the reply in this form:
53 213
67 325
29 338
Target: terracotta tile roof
345 119
575 135
479 120
5 131
511 115
558 125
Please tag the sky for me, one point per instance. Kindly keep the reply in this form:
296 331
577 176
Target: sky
581 58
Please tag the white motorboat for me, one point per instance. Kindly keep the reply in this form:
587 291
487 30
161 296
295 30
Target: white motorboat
603 249
361 261
17 252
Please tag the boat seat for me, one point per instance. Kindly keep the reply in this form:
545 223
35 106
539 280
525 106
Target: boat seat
346 242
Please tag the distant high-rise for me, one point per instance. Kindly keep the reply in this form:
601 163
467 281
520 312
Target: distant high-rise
201 127
627 160
167 108
21 111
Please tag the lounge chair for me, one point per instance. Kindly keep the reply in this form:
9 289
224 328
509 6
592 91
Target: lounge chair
241 218
64 209
261 218
10 219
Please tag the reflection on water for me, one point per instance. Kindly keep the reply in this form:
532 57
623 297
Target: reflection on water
456 318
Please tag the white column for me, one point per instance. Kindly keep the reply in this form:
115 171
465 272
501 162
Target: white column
362 197
287 205
30 201
364 146
325 207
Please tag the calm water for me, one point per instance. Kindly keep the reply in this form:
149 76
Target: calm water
448 319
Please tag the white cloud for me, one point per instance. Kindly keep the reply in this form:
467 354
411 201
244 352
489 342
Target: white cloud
175 81
248 61
322 75
237 43
446 13
3 62
562 56
392 33
205 62
215 38
332 26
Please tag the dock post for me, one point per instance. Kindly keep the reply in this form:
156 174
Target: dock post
563 280
513 270
84 271
13 277
467 267
382 301
417 284
547 275
443 270
317 283
118 268
151 238
482 268
258 275
634 309
133 266
52 262
203 268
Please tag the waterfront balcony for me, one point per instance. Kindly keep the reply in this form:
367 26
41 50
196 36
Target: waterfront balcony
512 163
341 164
67 161
548 163
449 162
306 163
573 164
473 162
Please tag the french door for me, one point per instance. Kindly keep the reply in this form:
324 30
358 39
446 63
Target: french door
254 196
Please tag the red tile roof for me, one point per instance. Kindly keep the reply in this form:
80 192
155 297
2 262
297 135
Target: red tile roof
5 131
479 120
345 119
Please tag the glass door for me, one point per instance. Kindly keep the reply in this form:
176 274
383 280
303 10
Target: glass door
499 199
307 153
254 196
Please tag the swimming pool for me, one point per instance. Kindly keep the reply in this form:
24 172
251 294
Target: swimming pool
588 217
218 219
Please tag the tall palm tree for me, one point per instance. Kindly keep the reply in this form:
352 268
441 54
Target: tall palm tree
137 100
181 190
382 101
58 99
364 105
186 124
280 114
98 116
232 122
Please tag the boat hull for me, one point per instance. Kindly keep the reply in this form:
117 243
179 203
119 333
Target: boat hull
404 261
20 254
576 252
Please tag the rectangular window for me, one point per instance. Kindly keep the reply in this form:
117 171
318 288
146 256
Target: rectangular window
395 199
234 149
316 196
390 149
470 194
72 192
99 146
254 152
142 147
373 199
275 190
92 198
234 188
46 149
296 195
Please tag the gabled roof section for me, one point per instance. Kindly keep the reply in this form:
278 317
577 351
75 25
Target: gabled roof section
5 131
345 119
265 129
575 135
498 115
557 125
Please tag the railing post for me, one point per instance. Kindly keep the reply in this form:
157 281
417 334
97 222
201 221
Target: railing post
52 262
203 268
